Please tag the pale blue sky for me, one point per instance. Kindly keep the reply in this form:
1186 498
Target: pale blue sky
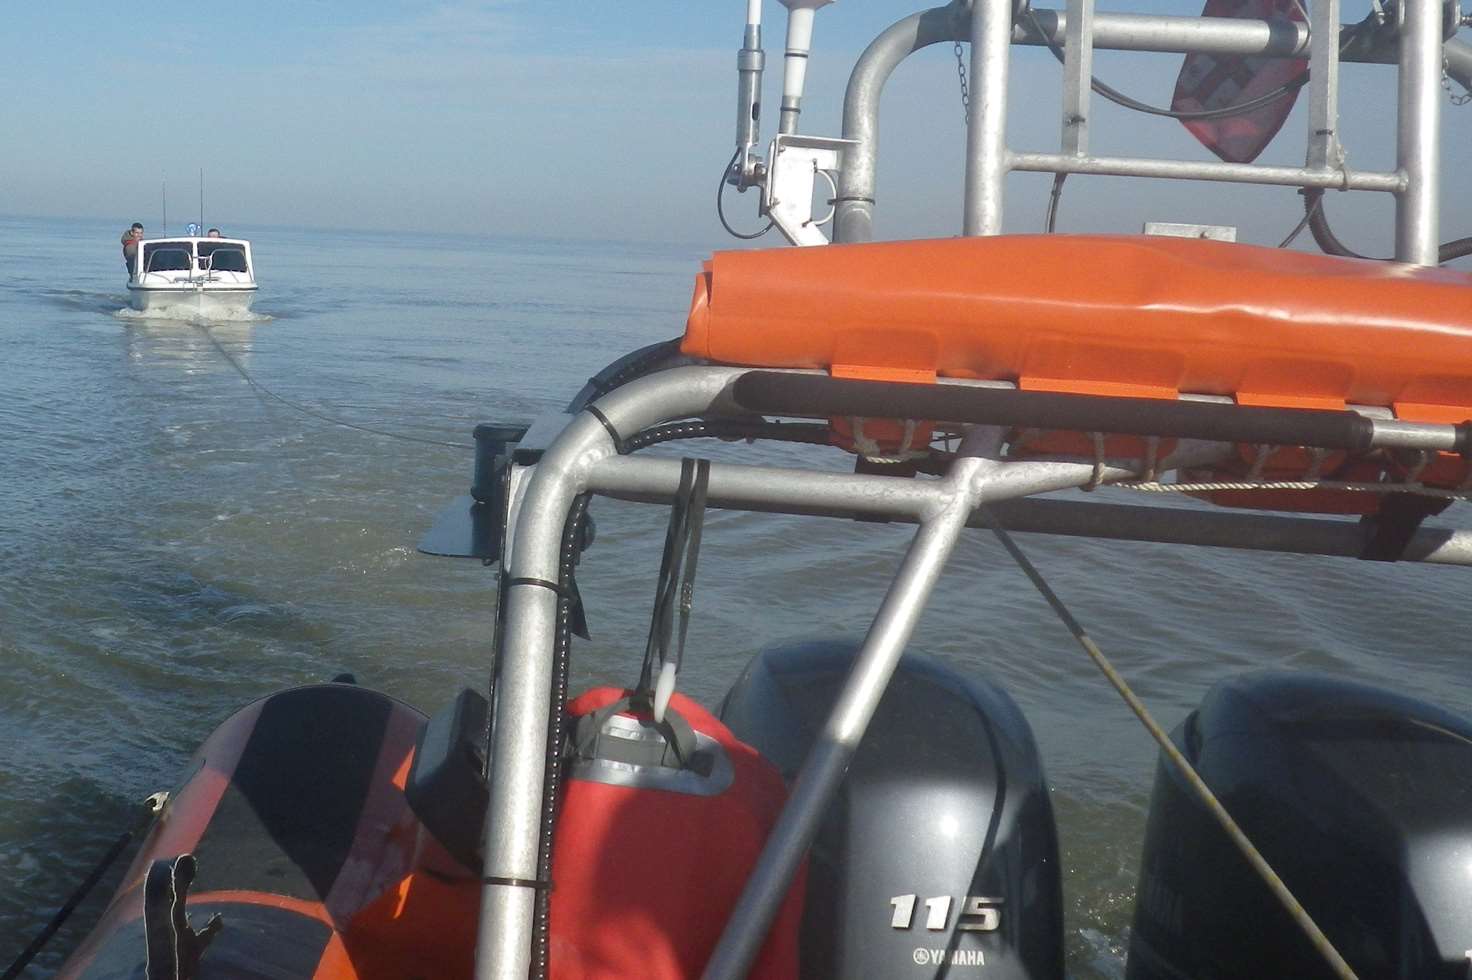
582 119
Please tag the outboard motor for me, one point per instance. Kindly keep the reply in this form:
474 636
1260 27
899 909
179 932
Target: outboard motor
1360 799
940 855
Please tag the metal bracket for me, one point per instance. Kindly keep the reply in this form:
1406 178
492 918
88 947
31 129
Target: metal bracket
1173 229
787 194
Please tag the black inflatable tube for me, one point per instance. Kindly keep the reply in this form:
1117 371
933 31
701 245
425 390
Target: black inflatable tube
815 396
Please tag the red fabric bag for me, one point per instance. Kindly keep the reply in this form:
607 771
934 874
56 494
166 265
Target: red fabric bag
1209 81
644 878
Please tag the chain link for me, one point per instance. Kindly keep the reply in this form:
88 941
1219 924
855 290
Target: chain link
1446 83
965 92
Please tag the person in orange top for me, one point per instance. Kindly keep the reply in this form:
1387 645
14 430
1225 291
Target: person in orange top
131 238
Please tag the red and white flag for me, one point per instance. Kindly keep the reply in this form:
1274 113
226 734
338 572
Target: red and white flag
1210 81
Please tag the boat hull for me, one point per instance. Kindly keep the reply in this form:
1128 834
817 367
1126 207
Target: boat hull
305 846
218 300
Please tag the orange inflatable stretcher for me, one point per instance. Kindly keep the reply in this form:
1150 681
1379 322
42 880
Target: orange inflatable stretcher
1103 315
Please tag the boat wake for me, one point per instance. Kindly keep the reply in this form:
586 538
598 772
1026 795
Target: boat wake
81 299
193 316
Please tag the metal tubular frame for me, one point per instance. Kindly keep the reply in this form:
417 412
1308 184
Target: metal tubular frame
953 500
1414 182
1418 125
583 458
853 220
1324 151
986 125
1078 72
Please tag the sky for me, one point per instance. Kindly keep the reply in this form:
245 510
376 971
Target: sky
585 119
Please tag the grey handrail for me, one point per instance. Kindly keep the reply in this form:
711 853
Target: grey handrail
1413 182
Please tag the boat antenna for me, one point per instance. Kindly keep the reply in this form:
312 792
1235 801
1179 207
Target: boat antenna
201 199
750 61
794 72
164 224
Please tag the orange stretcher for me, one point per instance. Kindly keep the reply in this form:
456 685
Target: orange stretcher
1104 315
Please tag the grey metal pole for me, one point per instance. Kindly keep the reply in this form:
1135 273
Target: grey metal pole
844 496
750 61
1241 173
853 221
828 761
512 829
1078 71
1418 126
519 740
1323 115
986 129
1177 35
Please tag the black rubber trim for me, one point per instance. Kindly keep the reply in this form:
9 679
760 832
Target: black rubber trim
814 396
1391 530
532 883
541 583
618 440
1463 440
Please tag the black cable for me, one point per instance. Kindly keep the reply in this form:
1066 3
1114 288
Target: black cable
1053 198
631 366
1318 223
317 415
720 207
571 551
1457 248
801 432
152 806
1308 216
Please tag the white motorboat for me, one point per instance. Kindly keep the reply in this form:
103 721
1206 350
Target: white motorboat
191 275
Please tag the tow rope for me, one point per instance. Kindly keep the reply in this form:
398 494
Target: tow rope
1188 772
151 807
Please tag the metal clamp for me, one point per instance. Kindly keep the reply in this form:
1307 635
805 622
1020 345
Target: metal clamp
787 194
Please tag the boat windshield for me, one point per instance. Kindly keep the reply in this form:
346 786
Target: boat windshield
222 257
167 256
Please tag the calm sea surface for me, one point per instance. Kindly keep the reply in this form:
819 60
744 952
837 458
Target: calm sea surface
173 544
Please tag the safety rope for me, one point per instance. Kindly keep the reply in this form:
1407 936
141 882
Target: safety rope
151 807
1146 480
1383 488
1198 786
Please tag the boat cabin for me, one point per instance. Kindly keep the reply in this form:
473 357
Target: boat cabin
192 275
179 260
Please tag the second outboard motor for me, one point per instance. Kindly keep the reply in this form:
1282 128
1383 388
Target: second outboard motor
1361 800
940 855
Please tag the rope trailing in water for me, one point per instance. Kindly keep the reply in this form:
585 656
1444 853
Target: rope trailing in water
240 369
1203 792
151 808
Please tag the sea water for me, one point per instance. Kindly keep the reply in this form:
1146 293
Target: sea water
175 541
